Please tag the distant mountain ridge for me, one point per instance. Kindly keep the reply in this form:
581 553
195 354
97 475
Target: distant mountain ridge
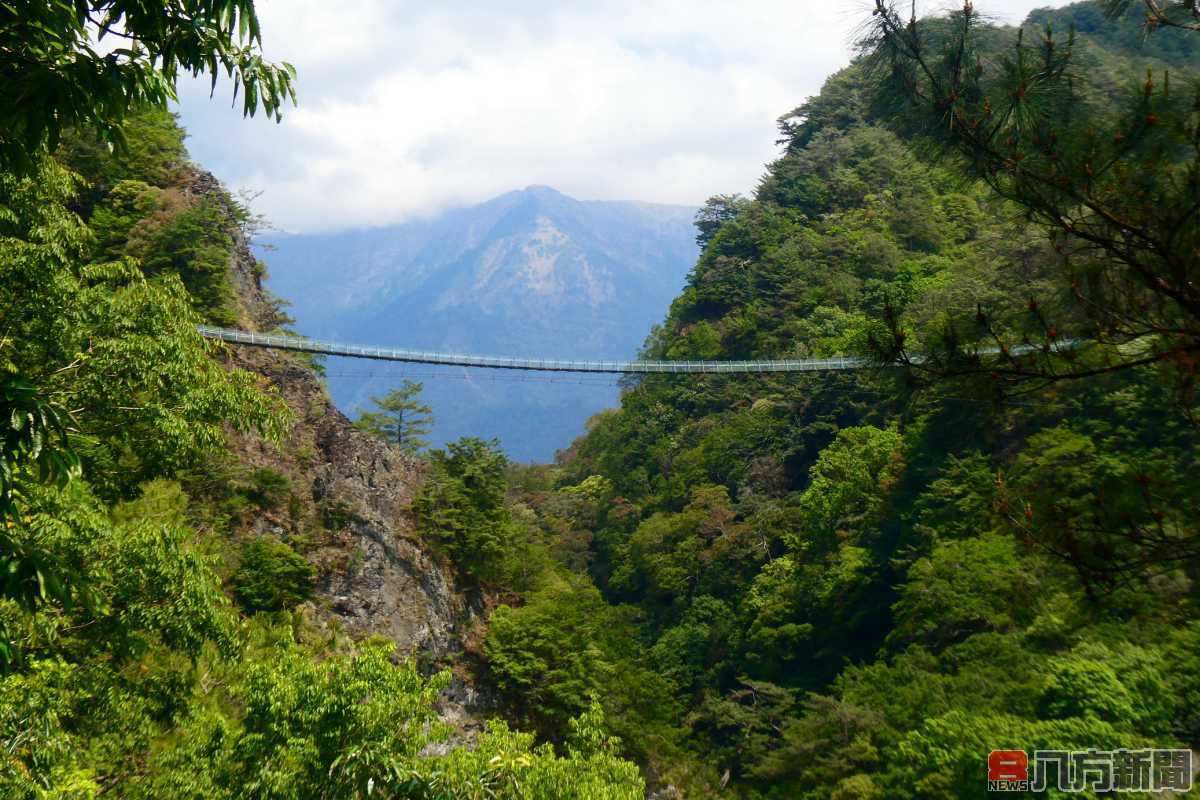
531 272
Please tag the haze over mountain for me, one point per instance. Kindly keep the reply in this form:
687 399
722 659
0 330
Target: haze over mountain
532 272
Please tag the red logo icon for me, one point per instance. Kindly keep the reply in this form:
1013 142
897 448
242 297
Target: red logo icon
1008 765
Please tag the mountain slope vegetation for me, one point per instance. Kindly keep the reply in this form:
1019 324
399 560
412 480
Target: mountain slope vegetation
856 585
152 642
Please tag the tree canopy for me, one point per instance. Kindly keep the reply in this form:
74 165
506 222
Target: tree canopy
90 64
823 571
1113 176
148 646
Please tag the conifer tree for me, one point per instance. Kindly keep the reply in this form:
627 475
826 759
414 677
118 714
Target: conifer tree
401 420
1182 14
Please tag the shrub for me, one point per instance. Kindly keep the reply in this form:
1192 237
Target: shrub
271 577
268 489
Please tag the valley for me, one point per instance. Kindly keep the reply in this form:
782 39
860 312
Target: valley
219 578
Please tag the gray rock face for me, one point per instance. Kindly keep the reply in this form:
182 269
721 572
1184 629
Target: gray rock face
390 585
395 590
353 495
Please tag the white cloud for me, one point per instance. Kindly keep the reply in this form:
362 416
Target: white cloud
407 108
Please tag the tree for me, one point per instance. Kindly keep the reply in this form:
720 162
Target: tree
1183 14
963 587
715 212
1112 523
546 657
76 331
462 506
56 71
54 77
359 725
1114 180
32 426
506 764
402 420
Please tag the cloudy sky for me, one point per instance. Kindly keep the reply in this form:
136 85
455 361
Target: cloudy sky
407 108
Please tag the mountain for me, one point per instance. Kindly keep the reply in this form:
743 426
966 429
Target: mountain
532 272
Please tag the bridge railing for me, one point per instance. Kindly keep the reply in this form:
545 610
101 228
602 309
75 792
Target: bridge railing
279 342
300 344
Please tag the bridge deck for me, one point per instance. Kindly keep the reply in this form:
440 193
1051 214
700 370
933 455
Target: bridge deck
277 342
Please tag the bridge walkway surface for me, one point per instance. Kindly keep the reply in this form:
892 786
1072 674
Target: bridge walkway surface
303 345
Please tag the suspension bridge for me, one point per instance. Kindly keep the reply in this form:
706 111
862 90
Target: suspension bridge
317 346
276 341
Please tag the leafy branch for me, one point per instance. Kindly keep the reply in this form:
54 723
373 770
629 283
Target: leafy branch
55 74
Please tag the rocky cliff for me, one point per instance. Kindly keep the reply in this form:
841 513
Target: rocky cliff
350 495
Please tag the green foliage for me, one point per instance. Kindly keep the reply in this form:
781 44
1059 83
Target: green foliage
717 210
1124 26
268 488
675 557
741 725
565 647
849 480
271 576
688 655
85 332
855 585
170 234
43 759
121 352
964 587
939 759
461 506
506 764
105 674
355 726
122 209
60 73
1109 171
153 154
839 106
544 655
1078 688
325 729
401 420
124 667
195 244
35 436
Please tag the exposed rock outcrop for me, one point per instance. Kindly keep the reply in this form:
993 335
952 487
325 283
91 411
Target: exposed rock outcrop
350 494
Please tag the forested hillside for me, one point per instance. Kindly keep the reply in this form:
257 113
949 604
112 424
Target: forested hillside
856 585
194 544
152 640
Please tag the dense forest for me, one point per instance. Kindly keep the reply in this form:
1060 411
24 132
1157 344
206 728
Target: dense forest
855 585
848 585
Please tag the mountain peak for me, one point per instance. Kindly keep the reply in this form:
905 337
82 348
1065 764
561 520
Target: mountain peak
532 271
541 190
